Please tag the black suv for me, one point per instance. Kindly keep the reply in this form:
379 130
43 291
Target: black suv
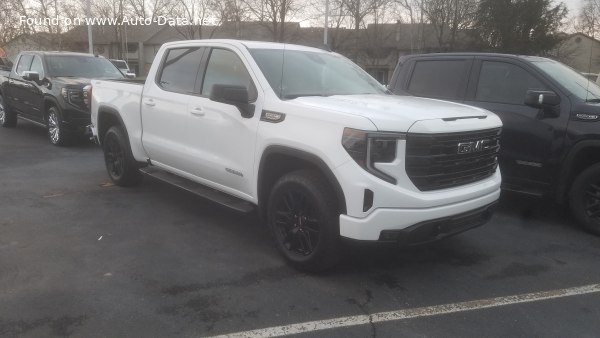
47 88
550 143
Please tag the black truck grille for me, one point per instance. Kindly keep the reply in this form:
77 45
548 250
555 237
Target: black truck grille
440 161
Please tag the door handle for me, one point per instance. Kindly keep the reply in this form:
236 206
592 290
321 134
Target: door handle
197 111
149 102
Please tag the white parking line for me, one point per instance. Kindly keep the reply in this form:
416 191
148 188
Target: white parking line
428 311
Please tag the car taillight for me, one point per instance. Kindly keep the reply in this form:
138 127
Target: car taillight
87 96
367 148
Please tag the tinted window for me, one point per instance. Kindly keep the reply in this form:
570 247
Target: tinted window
24 63
180 69
504 83
225 67
36 66
438 78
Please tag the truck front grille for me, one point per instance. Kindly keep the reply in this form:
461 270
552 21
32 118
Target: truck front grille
440 161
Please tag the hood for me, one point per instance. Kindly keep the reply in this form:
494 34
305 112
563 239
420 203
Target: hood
72 81
394 113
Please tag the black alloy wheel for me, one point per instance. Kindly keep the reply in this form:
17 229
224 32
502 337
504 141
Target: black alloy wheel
297 224
303 217
122 168
114 158
584 198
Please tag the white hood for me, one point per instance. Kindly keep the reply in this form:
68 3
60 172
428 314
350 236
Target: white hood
399 113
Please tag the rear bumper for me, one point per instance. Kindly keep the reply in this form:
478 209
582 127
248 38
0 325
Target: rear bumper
416 226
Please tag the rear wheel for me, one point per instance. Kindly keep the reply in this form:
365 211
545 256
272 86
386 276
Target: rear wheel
304 221
7 118
122 168
584 198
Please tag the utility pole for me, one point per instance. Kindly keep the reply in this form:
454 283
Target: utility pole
89 27
326 22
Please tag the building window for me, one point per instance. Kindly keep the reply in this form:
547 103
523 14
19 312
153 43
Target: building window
380 74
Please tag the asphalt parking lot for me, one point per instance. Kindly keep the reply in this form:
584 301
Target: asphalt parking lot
80 257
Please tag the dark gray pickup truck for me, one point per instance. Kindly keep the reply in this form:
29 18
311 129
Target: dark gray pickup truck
47 88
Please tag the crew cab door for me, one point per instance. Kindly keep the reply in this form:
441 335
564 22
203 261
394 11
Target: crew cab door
532 138
18 88
164 107
223 138
186 132
32 93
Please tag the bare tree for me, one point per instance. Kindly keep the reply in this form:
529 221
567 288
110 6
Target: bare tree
448 17
194 12
10 20
235 11
149 9
412 10
273 14
588 21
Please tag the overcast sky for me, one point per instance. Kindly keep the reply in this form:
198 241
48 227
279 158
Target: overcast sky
573 6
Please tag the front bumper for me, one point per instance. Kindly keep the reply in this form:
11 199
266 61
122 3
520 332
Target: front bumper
415 226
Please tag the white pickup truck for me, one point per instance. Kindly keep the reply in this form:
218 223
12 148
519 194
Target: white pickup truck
306 138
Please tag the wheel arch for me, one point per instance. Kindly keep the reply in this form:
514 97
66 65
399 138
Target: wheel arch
49 101
288 160
582 155
108 117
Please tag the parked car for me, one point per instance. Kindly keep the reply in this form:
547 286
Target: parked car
46 88
123 67
5 63
551 116
317 146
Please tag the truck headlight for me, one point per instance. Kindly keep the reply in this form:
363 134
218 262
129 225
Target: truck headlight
73 96
368 148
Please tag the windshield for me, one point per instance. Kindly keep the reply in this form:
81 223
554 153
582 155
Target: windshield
294 73
573 81
82 66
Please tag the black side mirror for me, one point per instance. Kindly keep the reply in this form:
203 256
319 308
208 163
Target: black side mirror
541 99
31 76
233 95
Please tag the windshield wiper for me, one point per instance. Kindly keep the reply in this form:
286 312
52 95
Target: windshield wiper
295 96
593 100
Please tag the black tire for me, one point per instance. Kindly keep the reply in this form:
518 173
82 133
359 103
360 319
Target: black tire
584 198
303 217
55 128
8 119
122 168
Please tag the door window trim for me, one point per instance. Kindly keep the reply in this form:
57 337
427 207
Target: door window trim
205 67
463 83
472 95
19 61
159 73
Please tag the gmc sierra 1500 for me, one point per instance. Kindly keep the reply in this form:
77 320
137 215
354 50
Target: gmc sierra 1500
46 88
305 137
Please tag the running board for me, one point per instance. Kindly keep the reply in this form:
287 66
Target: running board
198 189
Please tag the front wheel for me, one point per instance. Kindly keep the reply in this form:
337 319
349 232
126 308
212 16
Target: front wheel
121 166
584 198
304 220
54 125
8 119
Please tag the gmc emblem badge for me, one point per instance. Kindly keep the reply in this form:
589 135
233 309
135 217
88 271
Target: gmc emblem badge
472 147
